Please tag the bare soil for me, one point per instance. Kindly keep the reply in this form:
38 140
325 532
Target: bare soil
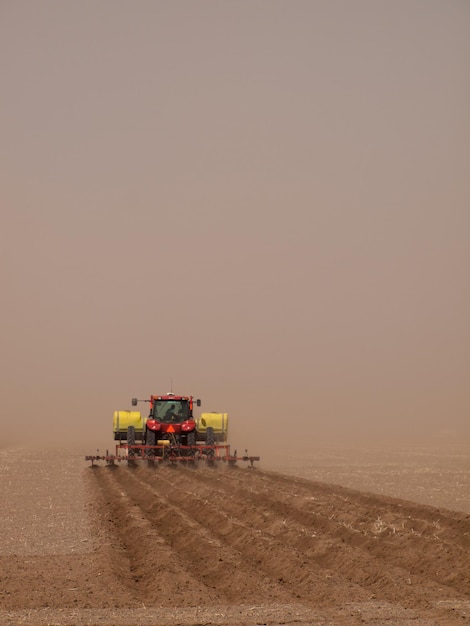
121 546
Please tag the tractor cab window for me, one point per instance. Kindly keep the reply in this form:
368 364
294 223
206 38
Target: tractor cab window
170 411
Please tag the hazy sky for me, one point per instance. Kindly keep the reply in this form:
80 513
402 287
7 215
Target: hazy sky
265 201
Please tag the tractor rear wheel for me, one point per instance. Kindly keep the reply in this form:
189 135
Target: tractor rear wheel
210 441
150 441
191 441
130 440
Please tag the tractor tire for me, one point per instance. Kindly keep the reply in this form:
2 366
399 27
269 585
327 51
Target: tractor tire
150 441
131 440
210 441
191 441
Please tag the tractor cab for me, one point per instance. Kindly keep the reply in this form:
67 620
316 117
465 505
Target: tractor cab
170 419
171 409
169 412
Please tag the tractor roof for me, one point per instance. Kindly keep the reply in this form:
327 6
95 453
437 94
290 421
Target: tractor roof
170 396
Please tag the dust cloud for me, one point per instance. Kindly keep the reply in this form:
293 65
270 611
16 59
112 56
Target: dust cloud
263 204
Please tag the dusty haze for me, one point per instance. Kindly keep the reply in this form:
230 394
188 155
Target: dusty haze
263 203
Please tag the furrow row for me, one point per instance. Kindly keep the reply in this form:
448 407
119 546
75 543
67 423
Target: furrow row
372 526
205 557
326 540
238 533
262 537
152 564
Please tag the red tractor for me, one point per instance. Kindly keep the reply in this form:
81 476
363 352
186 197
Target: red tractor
170 421
171 433
170 429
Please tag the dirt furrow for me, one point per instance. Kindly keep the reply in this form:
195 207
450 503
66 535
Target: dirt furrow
153 565
330 545
232 533
409 536
235 523
217 567
250 561
357 535
168 545
293 558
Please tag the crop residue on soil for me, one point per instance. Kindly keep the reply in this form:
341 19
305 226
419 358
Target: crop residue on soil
184 545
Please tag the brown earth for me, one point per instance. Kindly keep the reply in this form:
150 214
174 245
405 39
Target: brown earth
191 546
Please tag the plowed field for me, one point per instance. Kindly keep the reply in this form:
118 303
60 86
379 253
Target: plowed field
182 545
